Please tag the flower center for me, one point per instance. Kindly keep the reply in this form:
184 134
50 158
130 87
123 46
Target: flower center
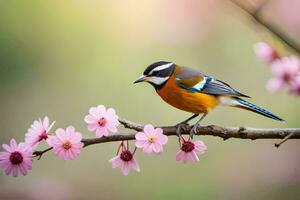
187 146
16 158
126 156
67 145
43 136
287 77
152 138
102 121
274 55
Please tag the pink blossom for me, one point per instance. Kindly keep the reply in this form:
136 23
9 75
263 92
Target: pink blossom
275 84
102 121
38 131
67 143
295 86
16 158
189 149
265 52
285 70
151 140
126 161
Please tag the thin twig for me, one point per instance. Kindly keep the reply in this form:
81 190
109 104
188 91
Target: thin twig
39 154
284 139
260 7
278 33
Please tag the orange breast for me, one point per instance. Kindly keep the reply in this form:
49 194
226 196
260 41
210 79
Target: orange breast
183 99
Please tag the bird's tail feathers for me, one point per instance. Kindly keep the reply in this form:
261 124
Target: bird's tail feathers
240 103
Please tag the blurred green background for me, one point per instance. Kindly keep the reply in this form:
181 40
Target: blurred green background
58 58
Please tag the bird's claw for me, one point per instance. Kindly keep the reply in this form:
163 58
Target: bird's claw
193 131
181 128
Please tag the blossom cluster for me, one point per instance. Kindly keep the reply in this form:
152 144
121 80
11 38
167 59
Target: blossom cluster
285 69
67 143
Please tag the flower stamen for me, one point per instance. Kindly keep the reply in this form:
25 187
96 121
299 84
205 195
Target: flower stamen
126 156
16 158
152 139
187 146
43 136
67 145
102 121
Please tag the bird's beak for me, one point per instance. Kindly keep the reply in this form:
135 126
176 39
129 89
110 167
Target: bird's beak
141 79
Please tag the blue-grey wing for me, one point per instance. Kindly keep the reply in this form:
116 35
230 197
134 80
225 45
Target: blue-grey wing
196 81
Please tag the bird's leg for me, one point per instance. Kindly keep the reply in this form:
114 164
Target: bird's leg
180 126
189 119
196 126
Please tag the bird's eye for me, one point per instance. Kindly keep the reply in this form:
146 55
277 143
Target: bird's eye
154 73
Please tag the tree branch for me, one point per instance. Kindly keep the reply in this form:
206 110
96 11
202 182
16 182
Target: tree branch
212 130
273 29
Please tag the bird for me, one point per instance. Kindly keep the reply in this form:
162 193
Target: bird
193 91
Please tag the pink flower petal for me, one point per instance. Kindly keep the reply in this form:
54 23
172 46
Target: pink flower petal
90 119
157 147
70 129
135 165
111 112
60 133
200 146
54 141
265 52
76 137
71 154
125 168
4 155
158 131
274 84
94 112
23 170
7 148
141 136
162 139
286 68
46 122
78 146
112 129
101 131
116 161
185 158
92 127
8 169
148 129
140 143
179 155
101 109
148 147
192 156
13 144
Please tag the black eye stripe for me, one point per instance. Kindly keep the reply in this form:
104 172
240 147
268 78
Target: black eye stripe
163 73
151 67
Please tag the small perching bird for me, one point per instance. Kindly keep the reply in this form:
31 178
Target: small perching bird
195 92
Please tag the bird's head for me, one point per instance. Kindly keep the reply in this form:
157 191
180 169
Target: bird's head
157 74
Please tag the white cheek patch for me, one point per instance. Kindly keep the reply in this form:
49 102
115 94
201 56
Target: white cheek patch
158 80
162 67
